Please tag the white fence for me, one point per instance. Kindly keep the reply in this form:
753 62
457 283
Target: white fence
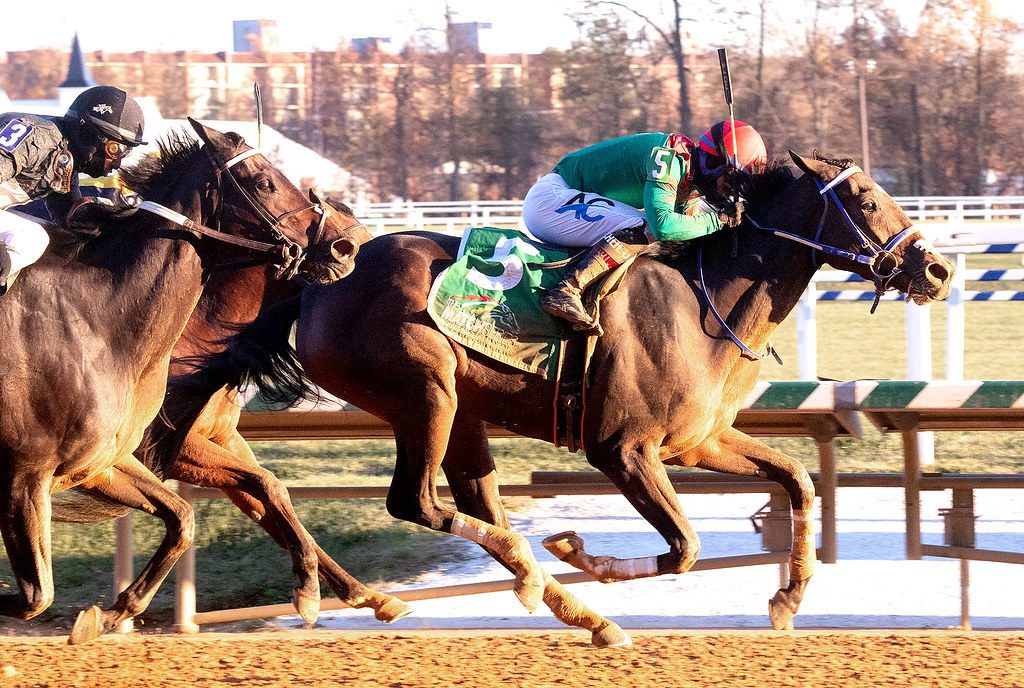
455 215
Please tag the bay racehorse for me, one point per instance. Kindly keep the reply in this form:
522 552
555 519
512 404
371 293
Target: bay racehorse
678 357
214 454
89 337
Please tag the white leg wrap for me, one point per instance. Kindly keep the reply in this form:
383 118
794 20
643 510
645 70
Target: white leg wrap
627 569
472 529
801 566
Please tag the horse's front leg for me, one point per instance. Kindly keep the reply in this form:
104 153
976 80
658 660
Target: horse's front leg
25 525
421 441
132 484
228 464
637 471
469 467
737 453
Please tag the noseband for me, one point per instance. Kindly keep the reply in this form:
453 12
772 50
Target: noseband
879 258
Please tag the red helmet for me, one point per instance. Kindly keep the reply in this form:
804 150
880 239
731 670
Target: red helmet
716 143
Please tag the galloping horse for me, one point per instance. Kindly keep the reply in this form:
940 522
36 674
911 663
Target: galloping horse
214 454
89 340
677 358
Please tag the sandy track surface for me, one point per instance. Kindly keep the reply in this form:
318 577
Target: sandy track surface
721 659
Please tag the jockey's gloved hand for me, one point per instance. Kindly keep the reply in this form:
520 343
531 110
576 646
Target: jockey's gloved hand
731 213
89 213
121 206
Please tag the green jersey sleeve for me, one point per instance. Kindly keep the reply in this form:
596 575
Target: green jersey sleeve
665 170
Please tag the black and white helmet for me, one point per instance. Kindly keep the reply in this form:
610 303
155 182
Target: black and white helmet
112 112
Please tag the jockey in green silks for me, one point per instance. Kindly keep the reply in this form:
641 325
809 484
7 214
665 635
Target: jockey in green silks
617 196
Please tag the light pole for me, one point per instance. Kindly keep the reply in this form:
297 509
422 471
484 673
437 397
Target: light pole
861 67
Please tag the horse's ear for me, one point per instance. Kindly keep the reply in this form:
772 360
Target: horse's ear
211 137
816 168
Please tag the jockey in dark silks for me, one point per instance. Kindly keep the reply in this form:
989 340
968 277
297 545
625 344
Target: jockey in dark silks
619 195
41 157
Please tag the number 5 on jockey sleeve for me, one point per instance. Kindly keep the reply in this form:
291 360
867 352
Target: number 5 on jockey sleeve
668 170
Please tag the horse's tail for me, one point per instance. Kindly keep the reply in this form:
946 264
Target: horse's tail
261 355
74 506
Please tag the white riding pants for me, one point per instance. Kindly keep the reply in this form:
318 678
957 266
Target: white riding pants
25 240
558 214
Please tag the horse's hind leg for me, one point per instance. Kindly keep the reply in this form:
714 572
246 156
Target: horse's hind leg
469 467
25 524
636 469
232 467
421 439
737 453
132 484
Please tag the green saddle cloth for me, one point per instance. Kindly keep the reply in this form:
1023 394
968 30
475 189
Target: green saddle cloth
488 300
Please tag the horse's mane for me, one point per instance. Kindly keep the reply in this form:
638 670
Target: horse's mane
173 158
755 188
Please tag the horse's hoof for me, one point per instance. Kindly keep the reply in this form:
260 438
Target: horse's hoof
308 606
611 635
563 545
780 612
392 610
531 595
88 625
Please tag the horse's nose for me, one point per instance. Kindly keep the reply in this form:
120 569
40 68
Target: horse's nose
343 249
937 274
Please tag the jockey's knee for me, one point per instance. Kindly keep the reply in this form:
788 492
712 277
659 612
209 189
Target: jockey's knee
25 240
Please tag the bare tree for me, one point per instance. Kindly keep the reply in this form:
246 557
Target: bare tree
605 92
672 37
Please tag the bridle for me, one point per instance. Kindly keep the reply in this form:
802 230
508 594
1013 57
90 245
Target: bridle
284 252
879 258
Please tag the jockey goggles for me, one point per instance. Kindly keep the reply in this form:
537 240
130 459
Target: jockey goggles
113 153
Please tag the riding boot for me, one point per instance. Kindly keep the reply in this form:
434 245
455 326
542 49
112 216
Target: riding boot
5 267
564 300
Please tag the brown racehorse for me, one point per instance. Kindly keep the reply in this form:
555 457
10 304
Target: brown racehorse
666 382
88 343
215 455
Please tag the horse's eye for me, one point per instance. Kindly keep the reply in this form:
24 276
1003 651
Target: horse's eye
265 185
869 206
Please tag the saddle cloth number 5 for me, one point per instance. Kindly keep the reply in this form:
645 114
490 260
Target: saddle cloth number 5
512 265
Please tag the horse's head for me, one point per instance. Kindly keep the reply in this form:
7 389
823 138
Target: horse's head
316 240
879 239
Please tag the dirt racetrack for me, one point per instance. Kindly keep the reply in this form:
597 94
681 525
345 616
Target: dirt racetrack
719 659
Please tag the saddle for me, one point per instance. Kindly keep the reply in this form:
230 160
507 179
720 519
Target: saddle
488 301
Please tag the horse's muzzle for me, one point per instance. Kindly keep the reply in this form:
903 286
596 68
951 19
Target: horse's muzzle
930 273
330 262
